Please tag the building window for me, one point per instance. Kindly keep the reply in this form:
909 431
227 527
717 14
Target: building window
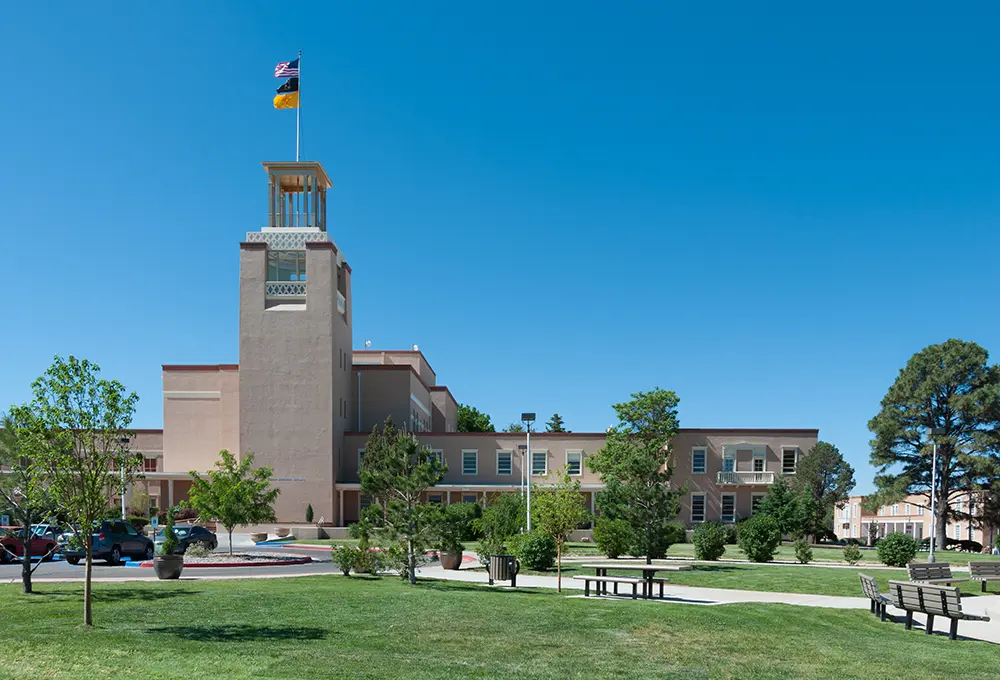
895 509
920 511
728 460
908 509
470 462
438 455
699 455
149 465
789 461
469 498
361 456
286 265
728 508
434 498
539 462
574 462
958 531
755 500
365 503
697 507
504 465
758 461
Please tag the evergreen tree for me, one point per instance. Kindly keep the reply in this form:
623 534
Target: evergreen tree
471 419
555 424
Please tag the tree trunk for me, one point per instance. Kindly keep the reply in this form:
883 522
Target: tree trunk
411 559
230 530
941 528
558 567
26 559
88 614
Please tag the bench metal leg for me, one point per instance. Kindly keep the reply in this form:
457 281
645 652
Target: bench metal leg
954 630
909 620
513 581
661 590
616 589
586 588
635 593
871 607
882 612
984 585
929 628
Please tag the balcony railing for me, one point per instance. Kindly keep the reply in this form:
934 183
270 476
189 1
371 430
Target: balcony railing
285 289
745 478
341 303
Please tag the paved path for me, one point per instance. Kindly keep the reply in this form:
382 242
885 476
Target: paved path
676 594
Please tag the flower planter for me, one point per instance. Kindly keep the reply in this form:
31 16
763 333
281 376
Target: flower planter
168 566
450 560
282 533
257 538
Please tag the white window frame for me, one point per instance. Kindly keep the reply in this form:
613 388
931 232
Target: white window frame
958 531
754 496
728 454
580 464
473 496
895 509
361 454
704 507
795 464
761 455
909 510
703 450
432 496
475 452
920 511
545 471
722 509
439 453
510 464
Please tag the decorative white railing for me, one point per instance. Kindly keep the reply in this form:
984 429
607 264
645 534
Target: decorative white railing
745 478
341 303
287 239
285 289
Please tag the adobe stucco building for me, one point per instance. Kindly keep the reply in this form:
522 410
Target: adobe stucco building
302 399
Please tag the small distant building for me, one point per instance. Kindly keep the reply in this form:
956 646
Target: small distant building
910 516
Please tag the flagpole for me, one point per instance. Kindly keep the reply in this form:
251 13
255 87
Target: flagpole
298 112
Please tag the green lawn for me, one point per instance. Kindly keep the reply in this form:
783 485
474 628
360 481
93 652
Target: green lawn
332 627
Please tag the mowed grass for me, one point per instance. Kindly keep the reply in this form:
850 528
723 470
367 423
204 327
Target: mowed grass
334 627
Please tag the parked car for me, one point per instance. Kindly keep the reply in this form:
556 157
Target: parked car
111 539
43 542
188 535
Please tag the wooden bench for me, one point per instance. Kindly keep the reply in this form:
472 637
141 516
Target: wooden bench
931 600
984 571
936 573
869 587
605 580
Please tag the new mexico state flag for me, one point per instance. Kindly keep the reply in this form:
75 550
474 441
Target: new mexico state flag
288 95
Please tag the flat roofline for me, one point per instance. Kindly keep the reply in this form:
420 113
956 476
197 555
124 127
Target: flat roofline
200 367
397 351
574 435
392 367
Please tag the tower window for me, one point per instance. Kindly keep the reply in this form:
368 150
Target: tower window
286 265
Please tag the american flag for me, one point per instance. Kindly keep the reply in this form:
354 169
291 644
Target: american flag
287 69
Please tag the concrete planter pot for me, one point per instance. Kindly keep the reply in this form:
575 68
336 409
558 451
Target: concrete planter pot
168 566
257 538
450 560
282 533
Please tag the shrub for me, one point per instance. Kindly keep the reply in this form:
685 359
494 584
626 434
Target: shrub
138 522
613 536
170 541
347 557
667 535
897 550
852 554
183 514
732 533
759 538
464 515
536 551
309 513
710 541
803 552
197 550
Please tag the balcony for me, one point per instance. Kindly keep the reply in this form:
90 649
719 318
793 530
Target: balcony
749 478
285 289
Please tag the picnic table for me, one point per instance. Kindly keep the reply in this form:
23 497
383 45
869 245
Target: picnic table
648 573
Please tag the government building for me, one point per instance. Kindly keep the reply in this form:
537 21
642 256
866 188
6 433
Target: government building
304 400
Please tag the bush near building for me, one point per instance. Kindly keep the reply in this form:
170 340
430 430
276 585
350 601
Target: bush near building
803 552
613 537
536 551
852 553
759 538
710 541
897 550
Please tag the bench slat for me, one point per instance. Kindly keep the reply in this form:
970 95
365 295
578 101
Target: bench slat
609 579
979 569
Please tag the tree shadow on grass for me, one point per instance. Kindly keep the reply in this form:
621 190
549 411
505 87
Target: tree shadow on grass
99 595
502 587
241 633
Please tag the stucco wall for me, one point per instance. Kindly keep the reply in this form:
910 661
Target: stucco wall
200 415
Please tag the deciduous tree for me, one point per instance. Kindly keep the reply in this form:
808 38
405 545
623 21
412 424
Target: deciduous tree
79 429
633 464
234 493
558 510
953 388
397 470
471 419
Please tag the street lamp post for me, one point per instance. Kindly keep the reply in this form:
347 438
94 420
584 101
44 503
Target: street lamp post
521 448
528 419
935 432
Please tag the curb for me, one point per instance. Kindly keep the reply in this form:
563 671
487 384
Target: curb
274 563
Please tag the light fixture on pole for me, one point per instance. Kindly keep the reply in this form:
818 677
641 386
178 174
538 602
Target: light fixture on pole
935 433
123 442
528 419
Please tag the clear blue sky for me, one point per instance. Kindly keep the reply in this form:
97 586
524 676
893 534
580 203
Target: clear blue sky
767 209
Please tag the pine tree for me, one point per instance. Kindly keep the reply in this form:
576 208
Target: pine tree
555 424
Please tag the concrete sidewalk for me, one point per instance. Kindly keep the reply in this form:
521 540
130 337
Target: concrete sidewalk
988 605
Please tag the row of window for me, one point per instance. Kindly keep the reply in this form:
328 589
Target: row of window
505 461
728 514
699 459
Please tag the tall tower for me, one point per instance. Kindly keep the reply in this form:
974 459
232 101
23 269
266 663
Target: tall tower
295 342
